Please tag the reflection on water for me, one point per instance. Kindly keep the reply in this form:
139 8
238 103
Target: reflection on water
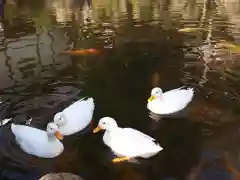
140 48
154 116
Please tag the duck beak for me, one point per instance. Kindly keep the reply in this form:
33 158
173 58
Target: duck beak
97 129
59 136
151 98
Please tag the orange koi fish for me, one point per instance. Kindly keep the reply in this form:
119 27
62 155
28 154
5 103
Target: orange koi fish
83 51
231 169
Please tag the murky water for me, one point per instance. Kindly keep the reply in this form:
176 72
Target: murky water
140 48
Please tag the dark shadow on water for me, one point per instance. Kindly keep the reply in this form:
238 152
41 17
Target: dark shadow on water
178 147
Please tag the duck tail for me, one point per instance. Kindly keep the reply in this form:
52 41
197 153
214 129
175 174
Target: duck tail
182 87
191 90
159 148
87 100
156 149
90 100
13 126
187 88
90 103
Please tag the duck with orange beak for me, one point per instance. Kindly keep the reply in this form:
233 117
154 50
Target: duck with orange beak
126 143
169 102
75 117
44 144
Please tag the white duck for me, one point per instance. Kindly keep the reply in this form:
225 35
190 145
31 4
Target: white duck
44 144
169 102
76 117
127 143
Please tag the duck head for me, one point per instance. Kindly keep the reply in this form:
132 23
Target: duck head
106 123
156 93
59 119
53 131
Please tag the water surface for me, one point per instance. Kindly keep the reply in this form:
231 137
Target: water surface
140 48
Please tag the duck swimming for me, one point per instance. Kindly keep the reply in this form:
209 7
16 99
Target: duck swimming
76 117
126 143
169 102
44 144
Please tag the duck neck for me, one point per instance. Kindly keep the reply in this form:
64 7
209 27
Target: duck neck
159 98
51 137
113 128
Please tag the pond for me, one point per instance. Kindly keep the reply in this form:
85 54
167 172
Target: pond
140 48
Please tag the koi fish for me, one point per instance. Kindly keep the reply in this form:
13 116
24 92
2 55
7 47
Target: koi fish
83 51
191 29
231 169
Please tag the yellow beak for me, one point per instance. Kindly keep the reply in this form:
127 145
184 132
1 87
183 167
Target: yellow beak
151 98
59 136
97 129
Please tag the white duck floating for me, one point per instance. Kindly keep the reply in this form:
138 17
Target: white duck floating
76 117
44 144
126 143
169 102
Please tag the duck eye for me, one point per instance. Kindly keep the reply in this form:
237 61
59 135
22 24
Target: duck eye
104 123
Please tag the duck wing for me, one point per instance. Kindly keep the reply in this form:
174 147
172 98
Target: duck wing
28 134
78 115
132 143
178 97
36 142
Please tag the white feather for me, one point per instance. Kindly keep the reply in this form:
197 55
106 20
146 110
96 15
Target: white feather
77 116
171 101
127 141
36 142
132 143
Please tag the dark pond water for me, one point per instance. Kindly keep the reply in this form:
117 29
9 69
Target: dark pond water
140 48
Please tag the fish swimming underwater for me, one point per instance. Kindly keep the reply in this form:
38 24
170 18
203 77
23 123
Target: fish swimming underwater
82 51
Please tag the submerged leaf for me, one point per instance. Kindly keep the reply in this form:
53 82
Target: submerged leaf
229 45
